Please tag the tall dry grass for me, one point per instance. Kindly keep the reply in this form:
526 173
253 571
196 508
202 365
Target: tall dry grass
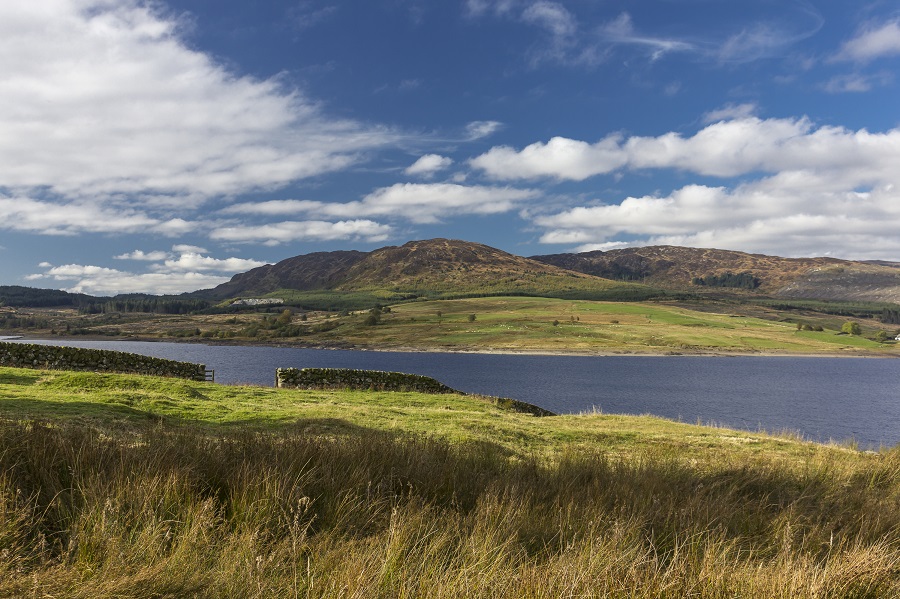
165 513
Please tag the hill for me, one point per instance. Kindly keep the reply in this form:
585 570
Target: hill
319 270
429 268
685 269
16 296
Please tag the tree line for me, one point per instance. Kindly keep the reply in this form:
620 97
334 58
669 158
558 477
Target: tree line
743 280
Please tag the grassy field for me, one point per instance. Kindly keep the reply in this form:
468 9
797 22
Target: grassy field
540 324
128 486
505 324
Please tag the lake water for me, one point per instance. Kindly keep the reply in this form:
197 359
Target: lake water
822 398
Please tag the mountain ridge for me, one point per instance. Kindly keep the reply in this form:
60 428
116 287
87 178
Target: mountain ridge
424 266
446 265
677 268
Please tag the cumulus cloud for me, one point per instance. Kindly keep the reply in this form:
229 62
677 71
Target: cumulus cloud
723 149
787 186
560 158
97 280
415 202
193 262
143 256
312 230
428 164
872 42
760 216
179 271
104 98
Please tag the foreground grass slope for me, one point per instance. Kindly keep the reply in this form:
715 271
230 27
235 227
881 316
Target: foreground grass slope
125 486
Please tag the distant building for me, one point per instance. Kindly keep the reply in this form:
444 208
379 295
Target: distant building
258 302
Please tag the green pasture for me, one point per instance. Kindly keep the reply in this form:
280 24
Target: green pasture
541 324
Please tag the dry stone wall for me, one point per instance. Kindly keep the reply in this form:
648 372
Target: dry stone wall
345 378
27 355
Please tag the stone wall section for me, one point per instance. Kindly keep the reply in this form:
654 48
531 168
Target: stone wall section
376 380
345 378
27 355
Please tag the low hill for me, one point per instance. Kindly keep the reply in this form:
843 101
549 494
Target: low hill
17 297
432 268
682 268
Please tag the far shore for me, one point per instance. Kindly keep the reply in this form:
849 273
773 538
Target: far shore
606 352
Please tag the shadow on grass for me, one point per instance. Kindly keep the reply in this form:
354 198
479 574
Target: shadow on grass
19 377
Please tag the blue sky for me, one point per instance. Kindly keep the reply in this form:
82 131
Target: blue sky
164 146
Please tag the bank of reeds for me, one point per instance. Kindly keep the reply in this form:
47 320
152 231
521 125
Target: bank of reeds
165 513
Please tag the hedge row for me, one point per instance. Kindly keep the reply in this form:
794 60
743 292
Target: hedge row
27 355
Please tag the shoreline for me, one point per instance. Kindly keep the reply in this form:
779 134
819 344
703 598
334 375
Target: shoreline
625 352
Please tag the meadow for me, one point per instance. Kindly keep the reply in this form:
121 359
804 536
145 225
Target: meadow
517 323
129 486
542 324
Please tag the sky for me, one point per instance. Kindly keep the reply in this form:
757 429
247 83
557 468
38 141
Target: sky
161 146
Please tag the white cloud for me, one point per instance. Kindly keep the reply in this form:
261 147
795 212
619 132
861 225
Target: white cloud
552 16
187 272
143 256
481 129
787 187
416 202
103 98
194 262
731 112
560 26
183 247
274 207
621 31
284 232
723 149
427 203
876 41
22 213
428 164
305 16
561 158
856 83
786 215
97 280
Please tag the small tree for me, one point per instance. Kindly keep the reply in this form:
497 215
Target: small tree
881 336
373 318
851 328
471 318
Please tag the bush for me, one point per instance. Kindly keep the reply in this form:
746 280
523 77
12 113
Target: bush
851 328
